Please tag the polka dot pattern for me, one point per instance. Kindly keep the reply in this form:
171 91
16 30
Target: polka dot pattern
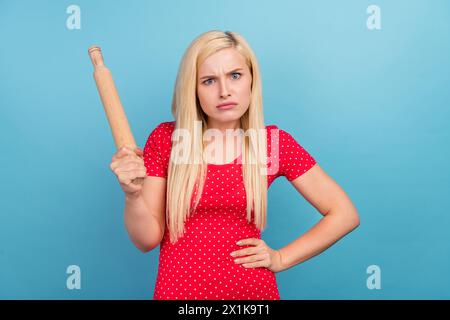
294 160
157 150
199 265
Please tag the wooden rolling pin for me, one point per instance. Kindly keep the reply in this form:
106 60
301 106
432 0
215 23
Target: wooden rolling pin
111 103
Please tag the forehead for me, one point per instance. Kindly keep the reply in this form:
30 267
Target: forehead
225 59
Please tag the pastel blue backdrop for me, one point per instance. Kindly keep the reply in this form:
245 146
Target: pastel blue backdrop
372 106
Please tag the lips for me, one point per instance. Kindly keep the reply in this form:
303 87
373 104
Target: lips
227 105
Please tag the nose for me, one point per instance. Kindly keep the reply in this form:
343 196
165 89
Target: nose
224 92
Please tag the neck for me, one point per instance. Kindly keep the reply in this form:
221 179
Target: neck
223 126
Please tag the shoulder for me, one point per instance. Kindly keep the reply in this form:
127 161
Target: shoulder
163 130
293 158
166 127
271 129
274 131
271 126
161 135
275 127
286 141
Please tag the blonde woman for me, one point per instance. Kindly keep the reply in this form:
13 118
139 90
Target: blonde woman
204 196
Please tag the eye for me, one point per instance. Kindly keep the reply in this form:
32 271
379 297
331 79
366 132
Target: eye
206 82
238 74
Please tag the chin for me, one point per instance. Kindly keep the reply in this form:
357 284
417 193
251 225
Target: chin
228 118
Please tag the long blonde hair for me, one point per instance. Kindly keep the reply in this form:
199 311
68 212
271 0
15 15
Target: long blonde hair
182 178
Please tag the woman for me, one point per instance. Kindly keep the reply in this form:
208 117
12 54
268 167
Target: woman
207 212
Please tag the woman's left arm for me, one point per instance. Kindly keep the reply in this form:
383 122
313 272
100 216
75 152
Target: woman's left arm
339 217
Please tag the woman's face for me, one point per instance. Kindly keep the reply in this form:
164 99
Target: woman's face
224 77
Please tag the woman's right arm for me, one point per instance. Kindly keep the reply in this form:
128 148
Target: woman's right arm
145 214
144 203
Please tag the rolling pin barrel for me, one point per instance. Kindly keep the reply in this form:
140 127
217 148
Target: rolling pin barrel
115 113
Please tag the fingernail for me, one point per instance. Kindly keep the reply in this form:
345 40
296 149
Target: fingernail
232 254
239 243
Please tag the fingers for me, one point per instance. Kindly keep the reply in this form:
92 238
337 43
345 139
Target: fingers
139 151
126 165
245 252
253 258
126 155
249 241
122 152
258 246
127 177
257 264
126 161
127 151
258 255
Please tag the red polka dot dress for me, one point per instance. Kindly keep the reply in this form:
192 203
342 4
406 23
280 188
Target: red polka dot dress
199 265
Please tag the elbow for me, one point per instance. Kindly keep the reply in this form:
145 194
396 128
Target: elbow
348 217
147 245
356 223
144 248
354 220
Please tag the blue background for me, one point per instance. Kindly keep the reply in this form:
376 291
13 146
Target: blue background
372 106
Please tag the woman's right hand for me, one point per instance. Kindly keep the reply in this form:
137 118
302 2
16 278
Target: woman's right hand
128 165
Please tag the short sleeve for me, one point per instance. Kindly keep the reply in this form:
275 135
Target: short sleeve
157 151
294 160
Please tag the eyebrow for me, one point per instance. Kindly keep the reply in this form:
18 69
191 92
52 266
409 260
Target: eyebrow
227 73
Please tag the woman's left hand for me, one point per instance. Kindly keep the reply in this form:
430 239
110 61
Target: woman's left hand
259 255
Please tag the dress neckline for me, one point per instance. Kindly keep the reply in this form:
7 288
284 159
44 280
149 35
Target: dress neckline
225 164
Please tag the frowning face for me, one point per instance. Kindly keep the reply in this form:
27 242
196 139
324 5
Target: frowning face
224 77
